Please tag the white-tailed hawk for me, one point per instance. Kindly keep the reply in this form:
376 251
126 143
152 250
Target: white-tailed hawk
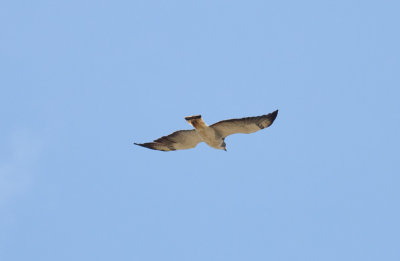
213 135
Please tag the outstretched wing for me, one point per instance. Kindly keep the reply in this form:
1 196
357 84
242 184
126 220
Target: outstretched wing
179 140
244 125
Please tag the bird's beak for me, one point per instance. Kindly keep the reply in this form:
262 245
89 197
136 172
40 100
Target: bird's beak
225 149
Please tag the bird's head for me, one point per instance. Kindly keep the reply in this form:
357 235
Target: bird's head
223 146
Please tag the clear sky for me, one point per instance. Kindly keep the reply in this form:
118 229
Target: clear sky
82 80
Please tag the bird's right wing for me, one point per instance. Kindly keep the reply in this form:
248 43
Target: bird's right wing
179 140
244 125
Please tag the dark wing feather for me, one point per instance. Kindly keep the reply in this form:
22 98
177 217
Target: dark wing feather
244 125
179 140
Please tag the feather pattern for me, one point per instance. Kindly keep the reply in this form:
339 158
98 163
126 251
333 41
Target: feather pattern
244 125
178 140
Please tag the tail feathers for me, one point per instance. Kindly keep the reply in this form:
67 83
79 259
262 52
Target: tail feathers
194 117
196 121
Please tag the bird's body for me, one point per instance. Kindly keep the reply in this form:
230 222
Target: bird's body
214 135
207 134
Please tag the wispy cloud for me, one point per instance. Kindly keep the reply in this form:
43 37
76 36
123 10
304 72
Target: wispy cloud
17 167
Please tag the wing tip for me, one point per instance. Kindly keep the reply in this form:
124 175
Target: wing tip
142 144
273 115
145 145
150 145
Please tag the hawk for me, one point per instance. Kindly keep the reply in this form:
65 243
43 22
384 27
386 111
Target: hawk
213 135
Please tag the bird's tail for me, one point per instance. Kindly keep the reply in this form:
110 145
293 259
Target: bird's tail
196 121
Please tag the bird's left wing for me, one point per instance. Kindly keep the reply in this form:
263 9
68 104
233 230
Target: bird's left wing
244 125
179 140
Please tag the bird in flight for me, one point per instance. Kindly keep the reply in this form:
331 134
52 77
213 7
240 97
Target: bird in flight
213 135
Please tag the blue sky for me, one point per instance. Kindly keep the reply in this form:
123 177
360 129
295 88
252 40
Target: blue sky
82 80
